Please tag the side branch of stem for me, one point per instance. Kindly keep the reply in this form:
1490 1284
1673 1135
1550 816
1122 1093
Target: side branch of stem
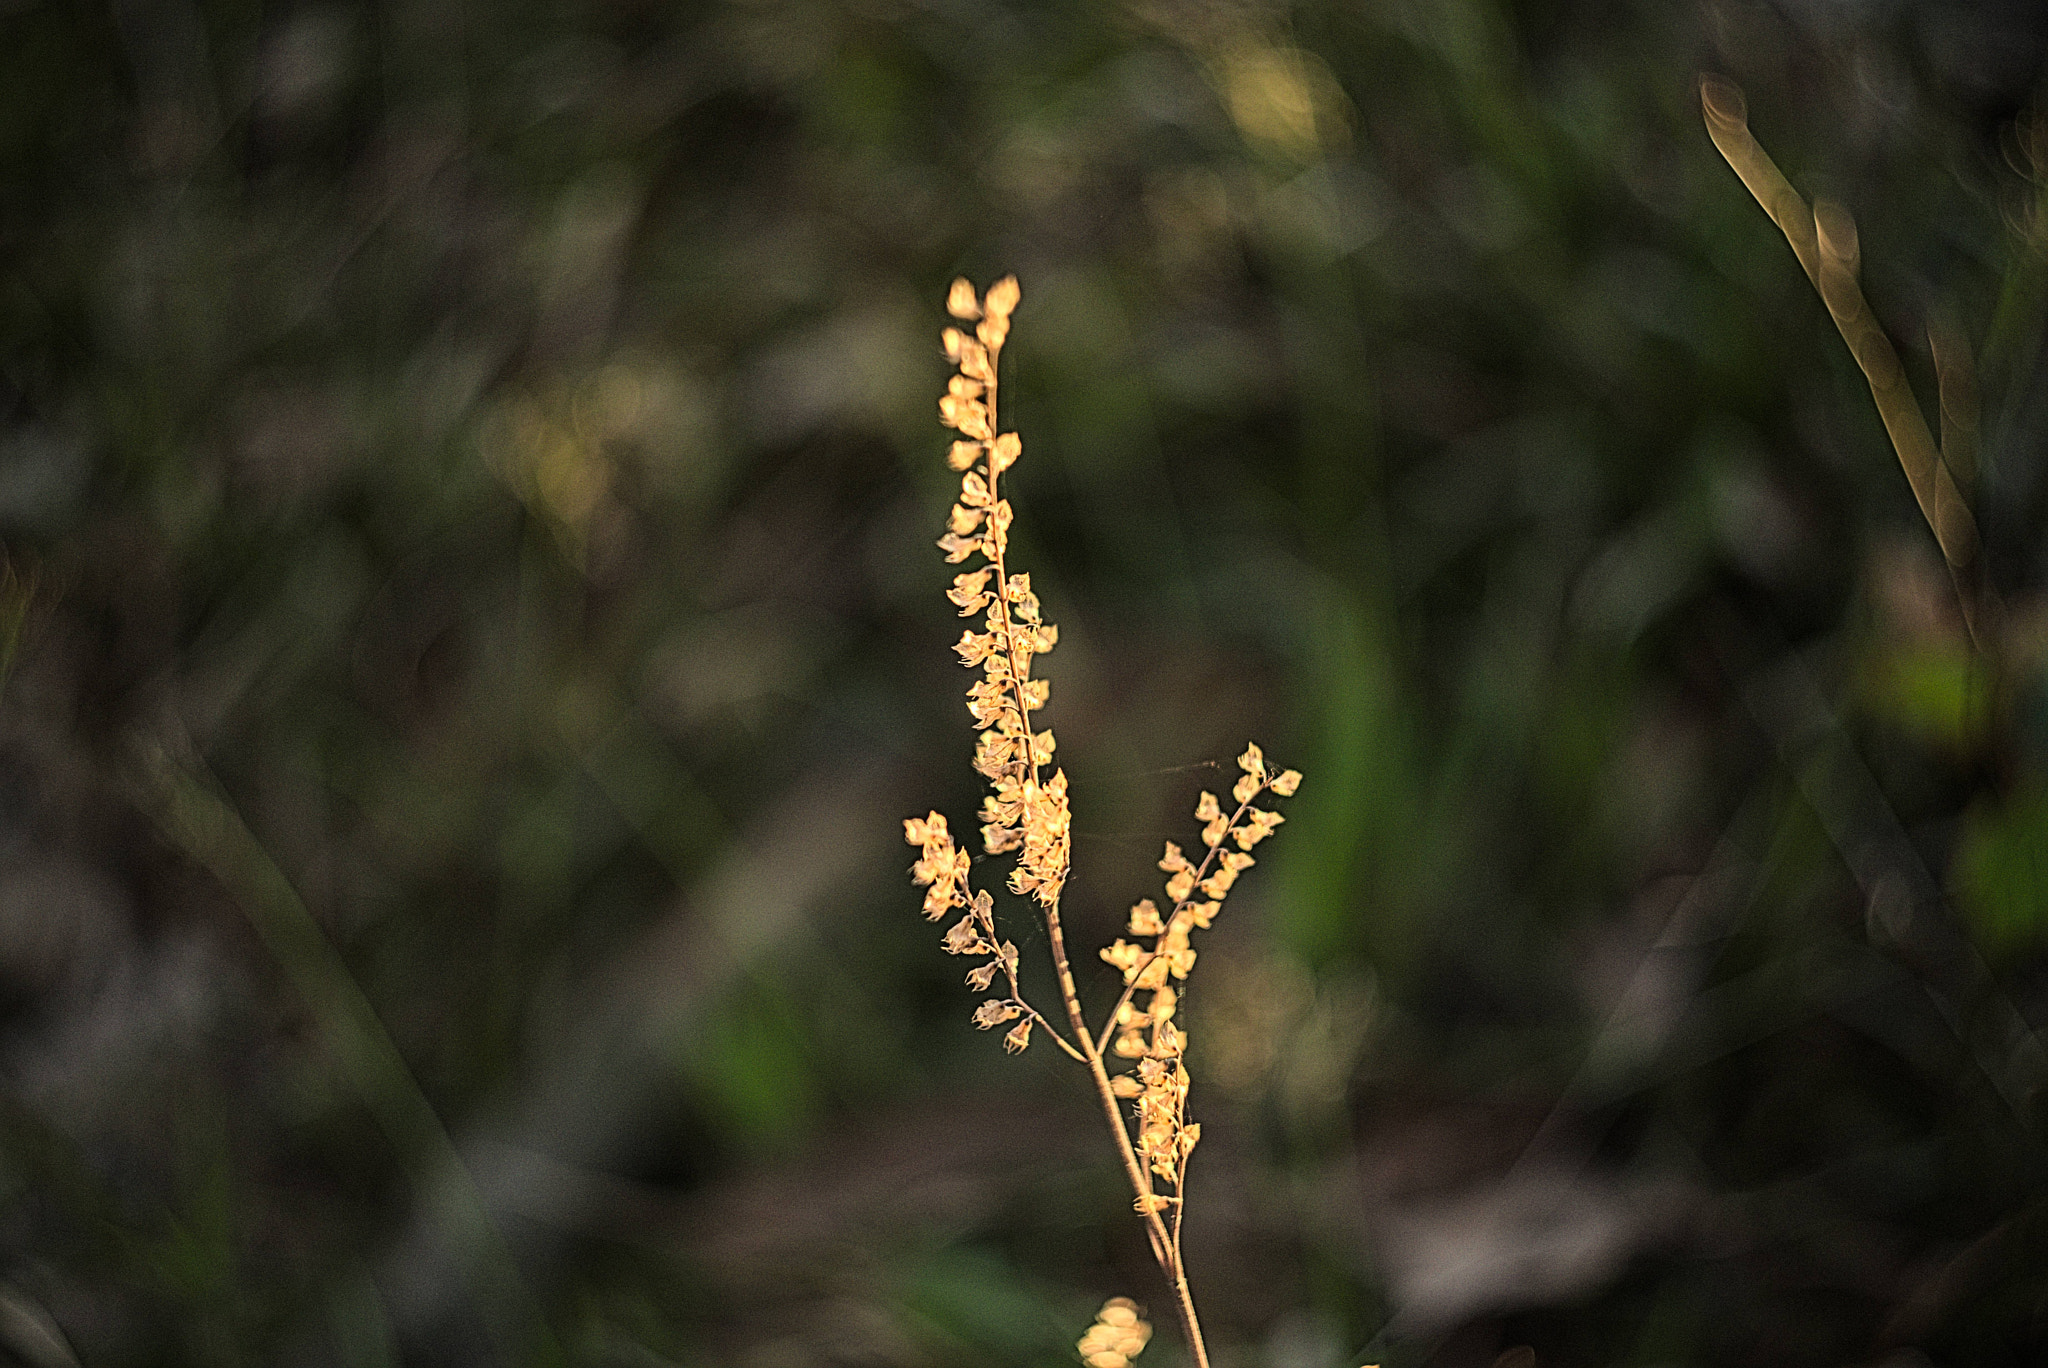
1165 1243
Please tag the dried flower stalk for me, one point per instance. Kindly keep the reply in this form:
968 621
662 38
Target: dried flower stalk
1025 813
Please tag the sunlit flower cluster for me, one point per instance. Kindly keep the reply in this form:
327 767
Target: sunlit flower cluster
1025 814
1195 892
1119 1335
942 869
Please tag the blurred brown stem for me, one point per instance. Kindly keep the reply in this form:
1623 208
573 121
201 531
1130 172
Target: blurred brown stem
1823 238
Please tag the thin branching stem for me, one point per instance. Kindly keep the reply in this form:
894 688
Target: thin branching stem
1180 1207
1109 1026
1006 956
1165 1244
1026 813
1020 670
1138 969
1051 1030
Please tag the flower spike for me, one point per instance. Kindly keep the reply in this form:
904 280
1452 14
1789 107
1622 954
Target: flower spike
1025 814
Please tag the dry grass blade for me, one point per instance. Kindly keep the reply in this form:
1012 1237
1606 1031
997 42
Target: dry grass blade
1727 115
1956 375
1941 503
1825 242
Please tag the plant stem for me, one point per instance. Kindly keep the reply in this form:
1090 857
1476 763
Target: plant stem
1165 1246
1138 969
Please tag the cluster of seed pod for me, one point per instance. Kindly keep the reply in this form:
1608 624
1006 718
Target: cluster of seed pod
1120 1334
1021 812
1025 813
942 869
1147 1033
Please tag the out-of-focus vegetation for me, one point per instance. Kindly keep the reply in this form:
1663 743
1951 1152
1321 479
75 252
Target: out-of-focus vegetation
470 635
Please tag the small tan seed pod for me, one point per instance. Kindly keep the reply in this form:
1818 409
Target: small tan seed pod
960 300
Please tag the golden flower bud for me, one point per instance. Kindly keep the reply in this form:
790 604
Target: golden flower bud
960 300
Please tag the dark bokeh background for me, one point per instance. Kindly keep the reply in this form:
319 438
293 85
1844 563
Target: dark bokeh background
467 479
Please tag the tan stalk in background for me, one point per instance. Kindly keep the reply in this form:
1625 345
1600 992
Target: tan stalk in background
1824 239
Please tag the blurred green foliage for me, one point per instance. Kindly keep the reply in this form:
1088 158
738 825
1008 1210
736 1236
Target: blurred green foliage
469 635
